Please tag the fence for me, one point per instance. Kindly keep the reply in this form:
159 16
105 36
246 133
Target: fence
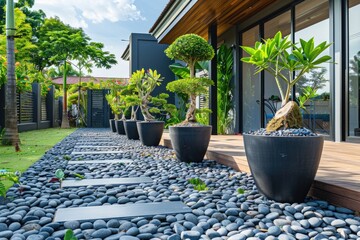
98 111
33 110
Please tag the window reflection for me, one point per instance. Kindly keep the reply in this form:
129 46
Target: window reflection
312 20
251 85
354 68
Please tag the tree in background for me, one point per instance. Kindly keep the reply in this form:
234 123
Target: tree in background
60 43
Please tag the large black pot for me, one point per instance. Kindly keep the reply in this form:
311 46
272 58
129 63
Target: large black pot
283 167
120 127
112 125
190 143
150 132
131 129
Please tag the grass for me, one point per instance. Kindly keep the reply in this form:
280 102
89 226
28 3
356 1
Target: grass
34 144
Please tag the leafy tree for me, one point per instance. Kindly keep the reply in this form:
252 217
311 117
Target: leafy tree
60 43
315 79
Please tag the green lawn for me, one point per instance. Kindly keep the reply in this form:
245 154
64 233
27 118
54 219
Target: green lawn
33 145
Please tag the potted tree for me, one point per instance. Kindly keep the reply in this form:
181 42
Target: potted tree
150 130
189 138
284 157
132 101
111 99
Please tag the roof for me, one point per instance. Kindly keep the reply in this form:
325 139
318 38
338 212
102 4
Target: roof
126 54
195 16
75 79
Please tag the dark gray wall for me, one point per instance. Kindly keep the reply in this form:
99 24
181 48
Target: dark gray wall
146 52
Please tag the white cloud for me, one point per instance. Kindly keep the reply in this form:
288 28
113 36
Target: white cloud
78 12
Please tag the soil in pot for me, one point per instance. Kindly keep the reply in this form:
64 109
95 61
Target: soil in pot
150 132
190 143
120 127
131 129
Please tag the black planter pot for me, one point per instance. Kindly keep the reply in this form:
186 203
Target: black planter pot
283 167
120 127
131 129
190 143
112 125
150 132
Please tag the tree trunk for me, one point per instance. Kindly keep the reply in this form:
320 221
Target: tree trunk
11 135
65 120
289 116
190 115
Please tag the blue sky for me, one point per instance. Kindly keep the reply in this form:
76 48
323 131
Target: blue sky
107 21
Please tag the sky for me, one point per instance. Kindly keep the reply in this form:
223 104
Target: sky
107 21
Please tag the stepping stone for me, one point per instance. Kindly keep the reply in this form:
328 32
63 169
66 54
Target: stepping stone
105 181
92 146
114 161
126 211
96 152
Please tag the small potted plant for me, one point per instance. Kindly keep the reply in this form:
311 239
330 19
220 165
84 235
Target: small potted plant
132 101
190 139
150 130
111 99
284 157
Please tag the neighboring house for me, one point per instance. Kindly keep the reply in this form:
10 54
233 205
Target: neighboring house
237 23
75 80
144 51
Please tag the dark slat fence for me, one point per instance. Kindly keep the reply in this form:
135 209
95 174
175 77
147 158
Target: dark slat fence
98 111
33 110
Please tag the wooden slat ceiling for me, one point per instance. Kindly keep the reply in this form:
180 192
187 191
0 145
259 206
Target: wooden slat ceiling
225 12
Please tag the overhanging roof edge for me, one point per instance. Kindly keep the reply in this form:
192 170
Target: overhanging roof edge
171 18
126 54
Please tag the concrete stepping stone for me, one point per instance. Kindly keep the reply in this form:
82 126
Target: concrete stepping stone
94 146
95 152
113 161
105 181
126 211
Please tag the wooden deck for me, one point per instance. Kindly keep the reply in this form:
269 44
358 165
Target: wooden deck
337 180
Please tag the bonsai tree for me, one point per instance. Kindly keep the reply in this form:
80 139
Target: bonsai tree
287 63
191 49
114 98
144 84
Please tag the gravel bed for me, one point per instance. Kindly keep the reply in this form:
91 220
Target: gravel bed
284 133
220 212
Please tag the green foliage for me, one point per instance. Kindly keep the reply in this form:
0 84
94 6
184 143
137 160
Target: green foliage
190 86
69 235
225 62
66 157
59 174
240 191
13 177
78 175
190 48
281 58
203 115
198 184
307 93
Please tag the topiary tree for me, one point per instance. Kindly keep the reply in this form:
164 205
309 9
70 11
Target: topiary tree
190 48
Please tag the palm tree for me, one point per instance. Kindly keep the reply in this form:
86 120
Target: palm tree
11 135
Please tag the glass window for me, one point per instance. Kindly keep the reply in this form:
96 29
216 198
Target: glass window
354 68
272 95
312 20
251 85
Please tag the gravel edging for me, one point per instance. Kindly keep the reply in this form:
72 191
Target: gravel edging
219 213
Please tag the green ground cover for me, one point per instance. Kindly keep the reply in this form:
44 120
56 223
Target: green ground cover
33 145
